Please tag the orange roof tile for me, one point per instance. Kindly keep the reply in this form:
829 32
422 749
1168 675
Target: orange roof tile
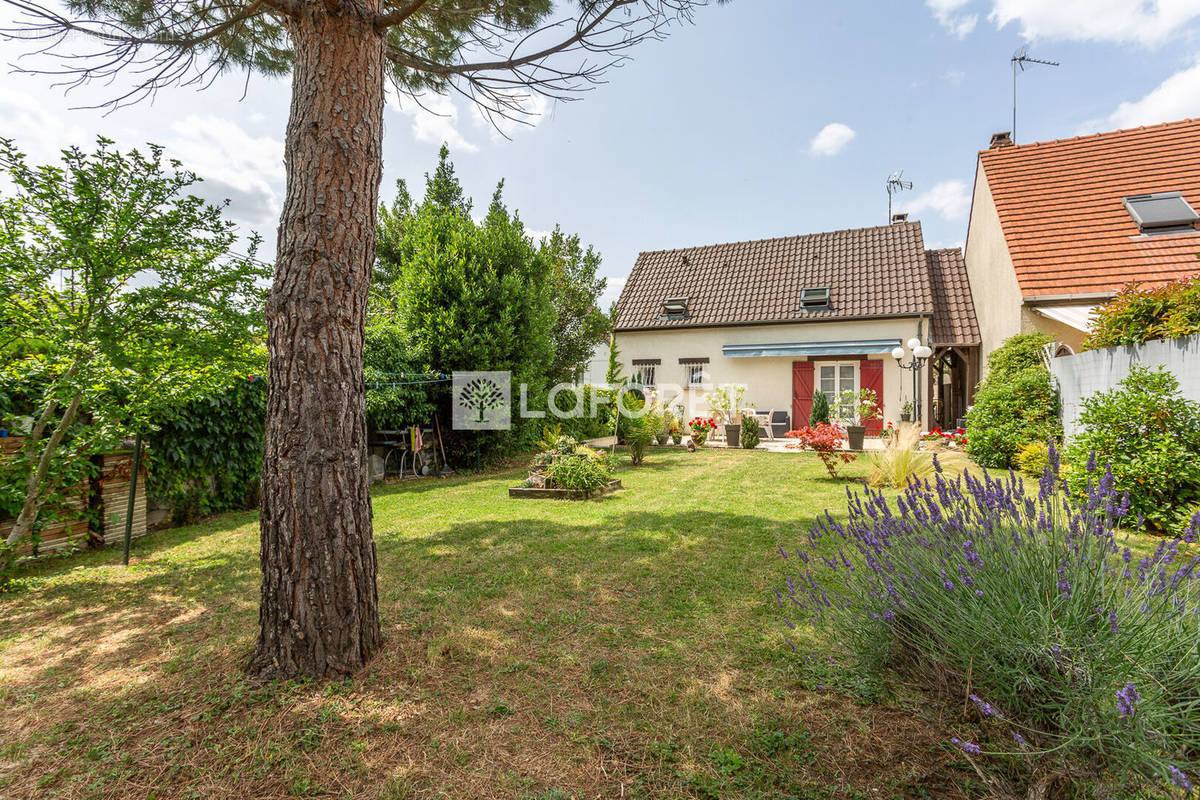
1060 206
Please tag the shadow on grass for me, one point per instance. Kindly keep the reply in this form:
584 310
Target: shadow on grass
618 640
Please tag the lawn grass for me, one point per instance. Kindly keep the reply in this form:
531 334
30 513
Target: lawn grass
535 649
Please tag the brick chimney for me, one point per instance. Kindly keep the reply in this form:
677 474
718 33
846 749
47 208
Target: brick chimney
1002 139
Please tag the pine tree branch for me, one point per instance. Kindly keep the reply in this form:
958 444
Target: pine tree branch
399 15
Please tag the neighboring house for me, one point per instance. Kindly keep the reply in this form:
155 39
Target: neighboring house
597 366
786 316
1059 227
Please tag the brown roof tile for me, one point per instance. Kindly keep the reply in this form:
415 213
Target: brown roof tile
870 272
953 320
1060 206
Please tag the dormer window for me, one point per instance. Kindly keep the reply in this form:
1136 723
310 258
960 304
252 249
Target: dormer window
814 298
675 307
1162 212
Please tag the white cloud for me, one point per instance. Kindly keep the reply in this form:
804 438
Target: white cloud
1176 98
534 107
434 120
955 77
38 132
832 139
950 199
612 291
1124 21
949 14
247 170
1144 22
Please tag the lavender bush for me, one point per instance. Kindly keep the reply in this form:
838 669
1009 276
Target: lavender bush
1080 656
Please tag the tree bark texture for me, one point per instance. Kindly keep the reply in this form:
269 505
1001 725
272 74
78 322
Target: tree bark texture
318 616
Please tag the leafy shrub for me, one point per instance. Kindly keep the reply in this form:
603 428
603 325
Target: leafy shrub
564 463
640 433
207 457
1148 434
1081 660
1015 405
900 461
1138 315
826 442
820 410
579 402
750 434
583 469
1033 458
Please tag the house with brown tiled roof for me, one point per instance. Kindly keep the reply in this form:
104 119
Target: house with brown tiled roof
786 317
1059 227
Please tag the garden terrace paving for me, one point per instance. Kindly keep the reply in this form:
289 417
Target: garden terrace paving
620 647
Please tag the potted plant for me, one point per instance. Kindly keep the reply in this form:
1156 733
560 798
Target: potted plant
856 408
701 427
663 417
906 411
749 432
726 403
675 429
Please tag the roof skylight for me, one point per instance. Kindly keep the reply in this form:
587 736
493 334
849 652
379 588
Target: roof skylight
814 298
1161 212
675 307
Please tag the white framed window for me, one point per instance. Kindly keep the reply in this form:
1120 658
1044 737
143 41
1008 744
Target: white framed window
833 378
645 375
695 375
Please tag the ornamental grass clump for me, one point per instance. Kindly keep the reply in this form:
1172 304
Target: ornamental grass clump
1079 656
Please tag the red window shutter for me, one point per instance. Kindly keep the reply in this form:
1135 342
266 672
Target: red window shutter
802 393
870 376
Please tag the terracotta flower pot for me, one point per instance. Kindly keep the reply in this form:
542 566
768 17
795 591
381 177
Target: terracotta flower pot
699 437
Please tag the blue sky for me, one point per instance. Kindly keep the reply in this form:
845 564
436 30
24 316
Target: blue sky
713 135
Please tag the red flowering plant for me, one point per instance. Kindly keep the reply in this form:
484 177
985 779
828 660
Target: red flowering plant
825 440
955 438
701 427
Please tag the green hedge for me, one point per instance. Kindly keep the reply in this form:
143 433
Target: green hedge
207 457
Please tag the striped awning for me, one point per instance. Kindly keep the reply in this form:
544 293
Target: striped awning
862 348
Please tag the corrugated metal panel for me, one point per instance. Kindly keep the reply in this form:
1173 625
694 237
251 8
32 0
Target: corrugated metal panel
1083 375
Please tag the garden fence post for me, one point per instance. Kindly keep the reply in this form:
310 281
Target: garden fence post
133 477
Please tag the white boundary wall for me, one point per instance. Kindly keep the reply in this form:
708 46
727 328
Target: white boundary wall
1083 375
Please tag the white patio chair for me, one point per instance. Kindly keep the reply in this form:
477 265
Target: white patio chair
764 423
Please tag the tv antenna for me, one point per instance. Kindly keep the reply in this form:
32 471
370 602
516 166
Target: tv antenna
895 183
1020 59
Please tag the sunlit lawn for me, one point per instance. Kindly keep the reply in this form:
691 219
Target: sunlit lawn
622 647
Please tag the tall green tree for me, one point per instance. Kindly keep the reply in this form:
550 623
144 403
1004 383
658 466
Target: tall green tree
464 294
575 289
123 295
318 614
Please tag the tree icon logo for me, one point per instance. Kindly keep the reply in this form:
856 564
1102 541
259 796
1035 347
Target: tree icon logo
481 400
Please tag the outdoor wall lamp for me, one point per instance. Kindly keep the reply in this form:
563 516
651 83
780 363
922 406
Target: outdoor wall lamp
920 354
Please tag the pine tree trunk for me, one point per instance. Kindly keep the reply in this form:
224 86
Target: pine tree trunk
319 613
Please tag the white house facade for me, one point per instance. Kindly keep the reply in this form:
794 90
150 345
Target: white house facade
787 317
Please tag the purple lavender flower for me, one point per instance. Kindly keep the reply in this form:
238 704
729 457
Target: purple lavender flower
985 707
967 747
1112 621
1020 740
1127 697
1179 778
